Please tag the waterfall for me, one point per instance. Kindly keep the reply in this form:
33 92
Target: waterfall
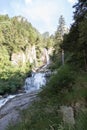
35 82
4 100
32 83
47 56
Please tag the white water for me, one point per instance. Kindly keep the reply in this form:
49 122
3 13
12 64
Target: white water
47 56
33 83
4 100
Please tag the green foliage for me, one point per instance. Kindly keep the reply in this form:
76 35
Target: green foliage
12 79
48 41
66 76
81 121
39 116
63 80
76 42
4 56
16 35
58 38
66 87
61 26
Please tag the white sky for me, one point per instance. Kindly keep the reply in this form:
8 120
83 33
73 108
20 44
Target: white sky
43 14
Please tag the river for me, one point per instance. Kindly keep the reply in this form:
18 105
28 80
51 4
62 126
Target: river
11 106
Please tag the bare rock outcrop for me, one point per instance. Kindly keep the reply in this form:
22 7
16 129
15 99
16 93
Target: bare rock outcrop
68 115
10 112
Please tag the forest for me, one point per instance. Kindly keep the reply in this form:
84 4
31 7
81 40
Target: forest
68 87
17 37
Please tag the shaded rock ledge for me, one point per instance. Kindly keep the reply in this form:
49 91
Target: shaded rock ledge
10 112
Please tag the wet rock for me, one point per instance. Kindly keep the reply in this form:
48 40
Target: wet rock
10 112
21 91
0 97
5 96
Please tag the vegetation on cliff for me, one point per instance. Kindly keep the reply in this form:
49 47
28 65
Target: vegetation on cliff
17 36
68 86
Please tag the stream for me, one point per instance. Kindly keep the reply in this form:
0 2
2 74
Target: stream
11 106
32 84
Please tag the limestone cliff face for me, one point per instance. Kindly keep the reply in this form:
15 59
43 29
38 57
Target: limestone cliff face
18 58
30 56
22 57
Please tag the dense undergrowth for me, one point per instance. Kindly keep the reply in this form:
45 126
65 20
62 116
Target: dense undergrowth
66 87
12 78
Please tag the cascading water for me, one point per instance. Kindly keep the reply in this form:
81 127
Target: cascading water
35 82
47 56
32 83
4 100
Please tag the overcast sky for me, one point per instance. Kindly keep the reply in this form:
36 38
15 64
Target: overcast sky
43 14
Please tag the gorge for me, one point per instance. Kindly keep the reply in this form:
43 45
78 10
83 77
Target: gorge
11 105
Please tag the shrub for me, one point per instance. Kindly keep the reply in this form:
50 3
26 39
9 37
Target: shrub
66 77
62 80
11 79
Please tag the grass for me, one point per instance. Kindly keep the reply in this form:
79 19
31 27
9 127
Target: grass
45 114
39 117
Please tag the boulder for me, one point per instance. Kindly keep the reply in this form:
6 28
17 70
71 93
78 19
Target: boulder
0 97
68 114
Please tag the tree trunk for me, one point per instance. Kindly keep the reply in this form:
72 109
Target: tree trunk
85 59
62 57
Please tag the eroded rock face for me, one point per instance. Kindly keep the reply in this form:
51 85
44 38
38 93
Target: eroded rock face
10 112
21 57
0 96
18 58
68 115
30 56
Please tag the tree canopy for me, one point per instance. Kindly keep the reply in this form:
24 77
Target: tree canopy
76 41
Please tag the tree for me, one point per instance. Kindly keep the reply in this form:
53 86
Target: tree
80 11
76 42
45 34
61 30
80 17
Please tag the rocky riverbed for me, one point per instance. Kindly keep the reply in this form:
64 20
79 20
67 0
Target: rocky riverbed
10 112
11 105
